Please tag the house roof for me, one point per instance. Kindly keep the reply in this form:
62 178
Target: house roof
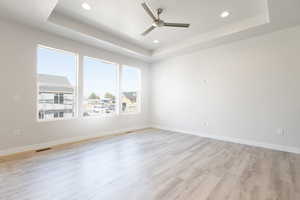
53 83
130 95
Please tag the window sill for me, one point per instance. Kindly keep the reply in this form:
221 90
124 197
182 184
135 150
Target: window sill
131 113
98 117
56 119
89 117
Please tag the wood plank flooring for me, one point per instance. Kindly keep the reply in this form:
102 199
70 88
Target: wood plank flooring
153 165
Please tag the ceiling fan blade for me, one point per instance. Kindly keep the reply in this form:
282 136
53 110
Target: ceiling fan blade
177 25
148 30
149 11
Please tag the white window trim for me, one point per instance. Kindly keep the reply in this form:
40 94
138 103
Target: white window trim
116 113
79 88
139 92
75 89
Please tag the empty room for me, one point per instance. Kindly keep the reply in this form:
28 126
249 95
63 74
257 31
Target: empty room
150 100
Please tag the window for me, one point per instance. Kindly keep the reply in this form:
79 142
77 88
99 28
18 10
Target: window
61 98
41 115
130 89
108 88
55 115
55 98
56 81
100 87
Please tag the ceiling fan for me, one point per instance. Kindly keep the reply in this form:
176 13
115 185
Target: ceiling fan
157 22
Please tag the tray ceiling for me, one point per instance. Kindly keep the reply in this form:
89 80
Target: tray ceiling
127 19
116 25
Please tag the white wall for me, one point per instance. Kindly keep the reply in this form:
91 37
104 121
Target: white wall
18 92
245 90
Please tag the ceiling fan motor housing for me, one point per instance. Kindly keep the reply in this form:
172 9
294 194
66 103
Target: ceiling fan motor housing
158 23
159 11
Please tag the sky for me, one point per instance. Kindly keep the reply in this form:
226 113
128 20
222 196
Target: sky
99 77
57 63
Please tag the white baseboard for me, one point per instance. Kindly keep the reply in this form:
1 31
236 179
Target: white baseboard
234 140
34 147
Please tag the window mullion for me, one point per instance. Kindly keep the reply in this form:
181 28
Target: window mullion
120 89
80 86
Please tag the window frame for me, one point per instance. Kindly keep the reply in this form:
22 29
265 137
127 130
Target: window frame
61 98
79 87
117 111
61 114
56 99
76 90
139 95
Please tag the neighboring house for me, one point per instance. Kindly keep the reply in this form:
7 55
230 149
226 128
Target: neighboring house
98 106
55 98
129 102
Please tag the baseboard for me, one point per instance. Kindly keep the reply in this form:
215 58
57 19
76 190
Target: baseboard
35 147
234 140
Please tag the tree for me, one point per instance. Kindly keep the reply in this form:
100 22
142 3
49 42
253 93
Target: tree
93 96
109 96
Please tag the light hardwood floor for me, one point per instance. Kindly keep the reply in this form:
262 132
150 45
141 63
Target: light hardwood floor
153 165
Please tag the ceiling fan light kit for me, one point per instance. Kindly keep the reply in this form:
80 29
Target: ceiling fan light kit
157 22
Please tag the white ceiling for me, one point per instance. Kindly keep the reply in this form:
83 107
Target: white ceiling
127 19
30 11
116 24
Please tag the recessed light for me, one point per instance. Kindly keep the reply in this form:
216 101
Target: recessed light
86 6
156 41
224 14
